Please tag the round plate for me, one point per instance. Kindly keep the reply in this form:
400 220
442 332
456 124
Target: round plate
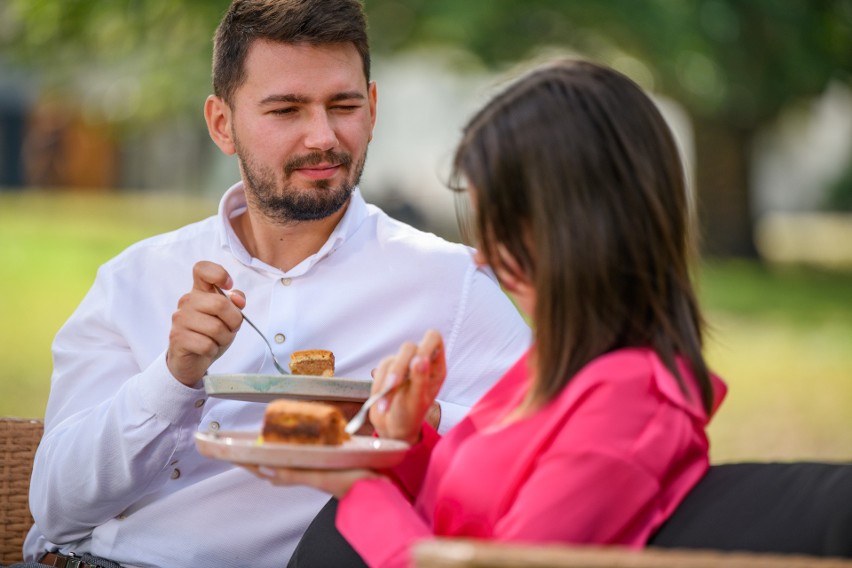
264 388
357 452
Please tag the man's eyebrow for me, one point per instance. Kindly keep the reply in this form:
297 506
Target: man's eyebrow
283 99
298 99
349 95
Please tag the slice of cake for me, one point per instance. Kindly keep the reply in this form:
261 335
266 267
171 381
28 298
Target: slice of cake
297 422
317 362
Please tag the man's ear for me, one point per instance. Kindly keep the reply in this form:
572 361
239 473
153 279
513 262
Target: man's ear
217 113
371 94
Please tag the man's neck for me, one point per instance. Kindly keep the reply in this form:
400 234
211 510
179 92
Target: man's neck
283 245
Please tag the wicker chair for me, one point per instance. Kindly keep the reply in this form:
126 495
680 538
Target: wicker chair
458 553
19 439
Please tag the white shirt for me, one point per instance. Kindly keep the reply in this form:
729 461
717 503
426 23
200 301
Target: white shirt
117 473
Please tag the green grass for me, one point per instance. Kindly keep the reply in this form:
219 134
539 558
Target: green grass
780 337
795 295
51 245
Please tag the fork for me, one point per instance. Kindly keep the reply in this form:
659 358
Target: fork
358 420
263 337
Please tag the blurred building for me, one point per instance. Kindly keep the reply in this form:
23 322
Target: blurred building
47 142
13 112
63 149
422 106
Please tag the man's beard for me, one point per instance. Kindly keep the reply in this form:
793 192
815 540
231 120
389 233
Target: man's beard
287 203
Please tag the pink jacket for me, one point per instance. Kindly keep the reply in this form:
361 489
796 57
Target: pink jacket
606 462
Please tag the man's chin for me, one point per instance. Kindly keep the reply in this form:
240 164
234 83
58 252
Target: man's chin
307 209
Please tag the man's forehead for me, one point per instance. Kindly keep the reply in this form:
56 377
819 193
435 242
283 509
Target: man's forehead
295 54
304 70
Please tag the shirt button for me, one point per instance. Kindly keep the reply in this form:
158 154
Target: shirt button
280 338
175 473
199 403
214 426
286 281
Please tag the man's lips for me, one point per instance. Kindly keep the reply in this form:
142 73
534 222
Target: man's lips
321 171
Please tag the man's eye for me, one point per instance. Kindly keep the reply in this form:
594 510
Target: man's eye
346 108
288 110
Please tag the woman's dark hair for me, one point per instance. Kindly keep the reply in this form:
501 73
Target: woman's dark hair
315 22
575 172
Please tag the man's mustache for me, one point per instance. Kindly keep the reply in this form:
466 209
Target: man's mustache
315 158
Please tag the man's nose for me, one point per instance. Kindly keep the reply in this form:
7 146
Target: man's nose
320 133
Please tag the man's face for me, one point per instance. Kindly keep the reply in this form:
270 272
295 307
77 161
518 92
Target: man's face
301 124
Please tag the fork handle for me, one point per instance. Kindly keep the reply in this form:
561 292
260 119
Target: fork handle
358 420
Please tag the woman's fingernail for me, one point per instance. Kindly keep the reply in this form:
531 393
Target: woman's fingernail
382 406
266 471
391 379
419 364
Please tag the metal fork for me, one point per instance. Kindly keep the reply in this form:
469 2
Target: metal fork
358 420
260 333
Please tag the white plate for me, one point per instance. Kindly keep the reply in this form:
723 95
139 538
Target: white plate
263 388
357 452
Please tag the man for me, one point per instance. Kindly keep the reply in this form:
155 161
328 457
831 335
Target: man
117 474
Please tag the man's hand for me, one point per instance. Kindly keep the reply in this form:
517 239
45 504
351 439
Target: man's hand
205 323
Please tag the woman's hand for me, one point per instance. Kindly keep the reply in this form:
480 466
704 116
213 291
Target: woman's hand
336 482
400 414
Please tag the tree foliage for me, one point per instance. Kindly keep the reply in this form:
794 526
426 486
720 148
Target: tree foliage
128 60
740 61
733 64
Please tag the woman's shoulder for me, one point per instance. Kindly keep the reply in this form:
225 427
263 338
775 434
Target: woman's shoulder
622 366
627 403
639 376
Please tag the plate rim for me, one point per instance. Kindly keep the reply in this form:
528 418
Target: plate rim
314 387
243 443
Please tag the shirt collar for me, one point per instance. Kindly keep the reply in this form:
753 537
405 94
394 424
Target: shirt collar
234 203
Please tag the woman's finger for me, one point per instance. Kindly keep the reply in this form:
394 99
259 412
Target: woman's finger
398 369
432 344
380 374
428 366
397 372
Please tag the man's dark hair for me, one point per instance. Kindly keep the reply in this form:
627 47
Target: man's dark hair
314 22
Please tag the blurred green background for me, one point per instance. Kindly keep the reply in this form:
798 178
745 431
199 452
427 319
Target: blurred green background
102 143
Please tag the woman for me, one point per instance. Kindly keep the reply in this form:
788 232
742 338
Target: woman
598 432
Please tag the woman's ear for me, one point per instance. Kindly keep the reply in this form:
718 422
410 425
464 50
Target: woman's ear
511 266
515 280
217 113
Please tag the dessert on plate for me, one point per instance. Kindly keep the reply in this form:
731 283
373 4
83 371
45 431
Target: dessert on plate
300 422
318 362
